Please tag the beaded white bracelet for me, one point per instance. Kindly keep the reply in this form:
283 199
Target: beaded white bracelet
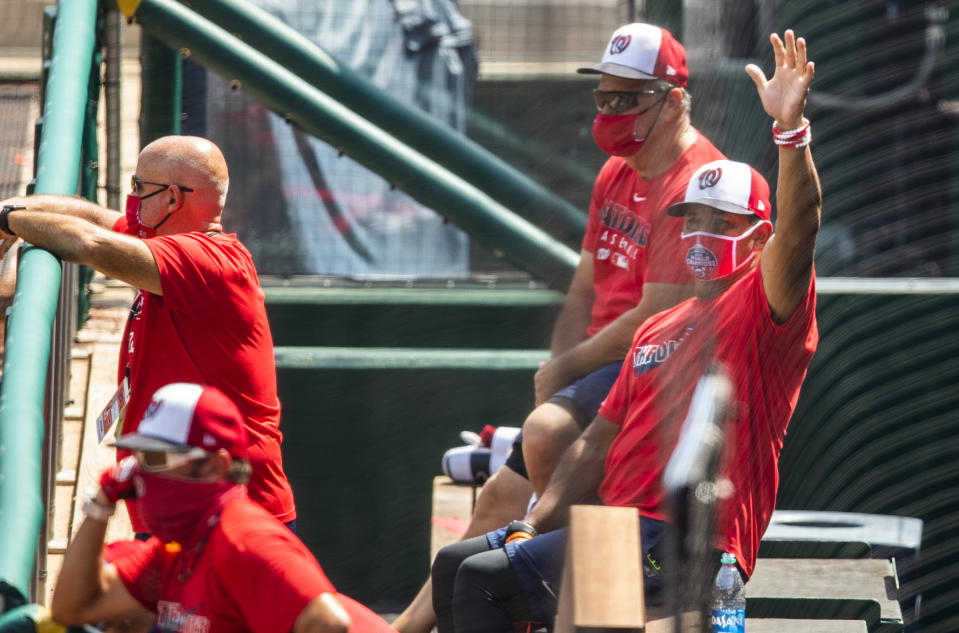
800 137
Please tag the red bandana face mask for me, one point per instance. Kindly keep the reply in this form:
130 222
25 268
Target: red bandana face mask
615 134
181 509
712 256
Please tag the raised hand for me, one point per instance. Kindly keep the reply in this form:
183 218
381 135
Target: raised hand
784 96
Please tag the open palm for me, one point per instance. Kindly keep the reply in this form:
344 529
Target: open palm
784 96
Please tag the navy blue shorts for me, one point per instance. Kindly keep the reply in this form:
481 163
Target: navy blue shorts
538 563
581 399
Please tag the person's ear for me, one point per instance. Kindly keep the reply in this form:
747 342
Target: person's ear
761 235
216 466
674 102
176 198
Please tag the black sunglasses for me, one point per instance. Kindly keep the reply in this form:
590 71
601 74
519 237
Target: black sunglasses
619 101
136 183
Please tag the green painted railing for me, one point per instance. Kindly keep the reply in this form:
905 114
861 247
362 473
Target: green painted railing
28 336
491 224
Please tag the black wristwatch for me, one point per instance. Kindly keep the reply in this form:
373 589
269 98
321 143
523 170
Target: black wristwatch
520 526
4 221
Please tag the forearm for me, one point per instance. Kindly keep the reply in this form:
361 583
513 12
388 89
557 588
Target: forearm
570 328
74 240
71 206
80 584
576 479
574 317
65 236
799 200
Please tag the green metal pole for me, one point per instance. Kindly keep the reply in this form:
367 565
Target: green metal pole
412 126
496 227
90 175
34 305
161 82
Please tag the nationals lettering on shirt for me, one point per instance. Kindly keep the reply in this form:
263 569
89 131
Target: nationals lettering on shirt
651 355
630 237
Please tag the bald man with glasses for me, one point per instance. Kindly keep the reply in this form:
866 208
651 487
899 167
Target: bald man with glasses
198 315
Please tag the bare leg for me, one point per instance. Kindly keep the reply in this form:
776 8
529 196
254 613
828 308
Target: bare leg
548 432
503 498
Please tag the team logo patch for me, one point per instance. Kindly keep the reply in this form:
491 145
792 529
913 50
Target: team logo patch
619 44
152 409
710 177
700 261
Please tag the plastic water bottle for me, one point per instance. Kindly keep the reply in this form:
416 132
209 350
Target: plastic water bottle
729 598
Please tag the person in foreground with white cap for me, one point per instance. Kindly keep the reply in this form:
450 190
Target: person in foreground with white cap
217 561
629 267
753 312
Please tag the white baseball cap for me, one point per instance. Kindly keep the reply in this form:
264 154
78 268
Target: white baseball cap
182 416
728 186
643 51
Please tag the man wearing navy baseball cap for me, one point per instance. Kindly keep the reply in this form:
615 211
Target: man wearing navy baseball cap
753 312
630 266
217 561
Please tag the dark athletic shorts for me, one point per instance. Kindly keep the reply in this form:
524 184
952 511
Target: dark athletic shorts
581 399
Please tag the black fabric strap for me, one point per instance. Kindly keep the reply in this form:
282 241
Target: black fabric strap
4 220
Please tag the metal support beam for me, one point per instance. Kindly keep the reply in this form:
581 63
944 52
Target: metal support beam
500 230
408 124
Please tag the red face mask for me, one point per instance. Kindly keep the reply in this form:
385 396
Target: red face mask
712 256
132 214
181 509
615 134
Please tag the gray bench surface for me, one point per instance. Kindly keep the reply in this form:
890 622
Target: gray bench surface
782 625
855 589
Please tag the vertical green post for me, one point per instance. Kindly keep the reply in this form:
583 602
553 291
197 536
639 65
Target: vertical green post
90 173
162 90
28 337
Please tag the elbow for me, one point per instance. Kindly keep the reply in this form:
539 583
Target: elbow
64 614
340 623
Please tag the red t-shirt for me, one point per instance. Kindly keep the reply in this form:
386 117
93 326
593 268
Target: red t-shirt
252 575
629 235
210 328
670 352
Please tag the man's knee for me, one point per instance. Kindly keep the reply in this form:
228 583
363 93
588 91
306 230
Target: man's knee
449 558
482 571
503 498
505 488
488 595
547 433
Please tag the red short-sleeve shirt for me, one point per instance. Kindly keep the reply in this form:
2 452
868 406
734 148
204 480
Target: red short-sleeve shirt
208 327
767 363
252 575
630 237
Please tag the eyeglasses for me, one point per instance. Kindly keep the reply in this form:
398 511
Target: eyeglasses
619 101
154 461
136 183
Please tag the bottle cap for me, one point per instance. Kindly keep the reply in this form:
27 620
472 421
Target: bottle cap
728 558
